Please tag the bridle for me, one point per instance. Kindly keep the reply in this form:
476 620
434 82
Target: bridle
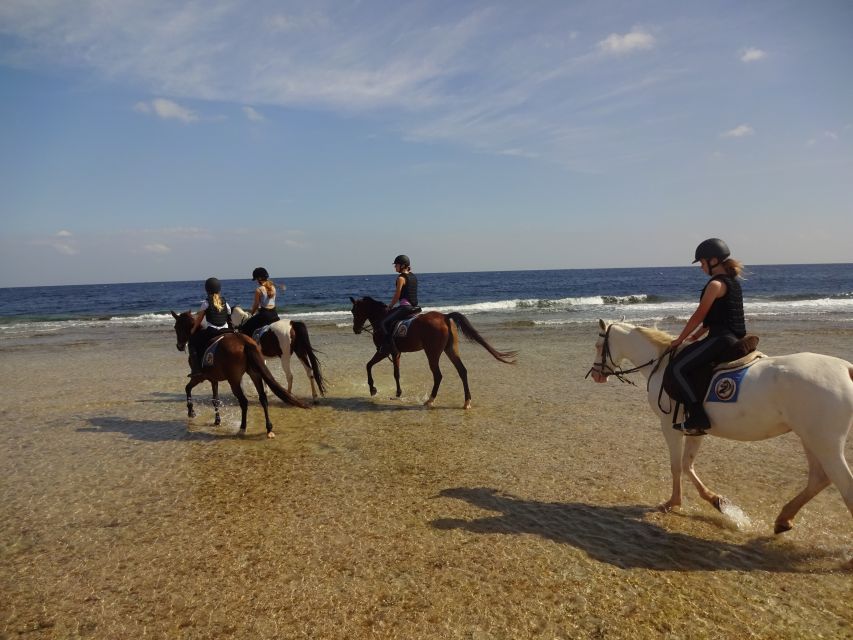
604 369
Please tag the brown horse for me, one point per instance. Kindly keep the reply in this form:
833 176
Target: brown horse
433 332
235 356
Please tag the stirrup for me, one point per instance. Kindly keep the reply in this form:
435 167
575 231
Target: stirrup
690 431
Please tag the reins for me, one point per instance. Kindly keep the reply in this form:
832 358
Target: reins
619 374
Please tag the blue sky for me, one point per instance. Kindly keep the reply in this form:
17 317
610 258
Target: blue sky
168 141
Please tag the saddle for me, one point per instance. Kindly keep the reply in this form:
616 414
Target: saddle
401 328
740 353
210 350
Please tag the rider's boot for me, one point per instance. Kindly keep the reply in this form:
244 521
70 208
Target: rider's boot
195 364
697 422
388 347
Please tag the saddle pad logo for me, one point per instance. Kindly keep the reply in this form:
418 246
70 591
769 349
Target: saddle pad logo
726 386
402 329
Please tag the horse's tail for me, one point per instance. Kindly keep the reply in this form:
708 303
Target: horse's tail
472 334
305 352
255 360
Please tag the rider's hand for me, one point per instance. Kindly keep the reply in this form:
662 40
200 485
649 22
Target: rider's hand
675 343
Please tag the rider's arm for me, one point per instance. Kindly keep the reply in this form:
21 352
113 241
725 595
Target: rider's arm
198 318
401 281
715 289
257 302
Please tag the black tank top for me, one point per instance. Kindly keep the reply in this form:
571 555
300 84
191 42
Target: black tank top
213 316
410 289
726 314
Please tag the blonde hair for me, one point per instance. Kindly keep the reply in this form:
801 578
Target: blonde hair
734 268
217 301
269 287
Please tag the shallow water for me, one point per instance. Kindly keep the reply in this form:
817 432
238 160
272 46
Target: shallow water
532 515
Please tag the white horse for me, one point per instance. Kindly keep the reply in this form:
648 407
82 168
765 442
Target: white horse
807 393
284 338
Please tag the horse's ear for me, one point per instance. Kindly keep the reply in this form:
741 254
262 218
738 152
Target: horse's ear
174 315
601 324
351 299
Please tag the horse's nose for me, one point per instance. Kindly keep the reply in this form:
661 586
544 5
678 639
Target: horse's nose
356 331
180 347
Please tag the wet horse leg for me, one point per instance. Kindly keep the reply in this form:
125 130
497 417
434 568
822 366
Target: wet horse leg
262 398
237 390
433 357
376 358
452 352
396 361
217 419
691 449
188 389
675 443
818 481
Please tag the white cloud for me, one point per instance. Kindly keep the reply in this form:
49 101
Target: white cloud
166 109
64 234
156 247
253 115
751 54
636 40
738 132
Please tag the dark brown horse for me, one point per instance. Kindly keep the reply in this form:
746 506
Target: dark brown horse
434 332
235 356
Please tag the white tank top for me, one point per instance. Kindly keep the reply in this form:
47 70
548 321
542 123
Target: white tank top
267 302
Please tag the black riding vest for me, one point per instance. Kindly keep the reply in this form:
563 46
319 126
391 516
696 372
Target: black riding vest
214 317
410 289
726 314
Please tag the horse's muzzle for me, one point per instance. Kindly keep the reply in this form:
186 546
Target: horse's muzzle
181 346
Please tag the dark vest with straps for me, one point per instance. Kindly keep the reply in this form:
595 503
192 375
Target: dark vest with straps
410 289
726 314
214 317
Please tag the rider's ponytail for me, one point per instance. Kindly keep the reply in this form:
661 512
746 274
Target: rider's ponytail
217 301
269 287
734 268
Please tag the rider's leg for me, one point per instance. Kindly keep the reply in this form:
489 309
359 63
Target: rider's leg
693 357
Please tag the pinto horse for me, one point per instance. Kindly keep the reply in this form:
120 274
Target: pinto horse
235 356
284 338
807 393
434 332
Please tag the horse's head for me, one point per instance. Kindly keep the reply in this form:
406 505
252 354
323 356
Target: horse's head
366 310
608 356
183 328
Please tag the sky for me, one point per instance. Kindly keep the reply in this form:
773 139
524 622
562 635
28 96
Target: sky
163 140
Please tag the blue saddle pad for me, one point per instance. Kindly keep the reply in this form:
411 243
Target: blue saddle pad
726 385
259 333
210 352
402 328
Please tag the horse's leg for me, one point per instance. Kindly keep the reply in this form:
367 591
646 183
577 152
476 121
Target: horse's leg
818 481
452 351
675 442
396 361
258 381
286 350
432 358
688 457
376 358
188 389
217 419
237 390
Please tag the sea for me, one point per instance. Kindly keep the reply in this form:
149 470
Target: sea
811 293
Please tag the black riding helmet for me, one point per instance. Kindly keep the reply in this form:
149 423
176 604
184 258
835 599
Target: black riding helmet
260 272
212 285
403 260
712 248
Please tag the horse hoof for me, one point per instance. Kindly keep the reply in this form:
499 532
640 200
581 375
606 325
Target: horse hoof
719 503
372 391
190 414
467 404
428 403
782 527
666 507
270 435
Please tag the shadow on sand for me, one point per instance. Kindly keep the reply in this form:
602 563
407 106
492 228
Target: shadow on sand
151 430
619 535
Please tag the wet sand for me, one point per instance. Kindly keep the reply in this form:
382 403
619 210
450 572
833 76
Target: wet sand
532 515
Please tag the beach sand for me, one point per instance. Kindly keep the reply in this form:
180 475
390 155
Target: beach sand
529 516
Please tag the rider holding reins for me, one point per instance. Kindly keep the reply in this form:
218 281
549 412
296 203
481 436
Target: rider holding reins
263 306
403 304
720 315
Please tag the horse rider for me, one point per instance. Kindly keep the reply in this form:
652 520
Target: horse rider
720 315
403 304
263 307
213 317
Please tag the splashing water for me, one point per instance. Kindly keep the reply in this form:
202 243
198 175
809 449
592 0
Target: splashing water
736 516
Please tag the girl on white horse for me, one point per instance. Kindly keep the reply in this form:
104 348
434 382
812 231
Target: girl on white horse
263 307
720 315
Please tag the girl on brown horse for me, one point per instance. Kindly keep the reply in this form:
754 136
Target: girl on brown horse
434 332
235 356
403 304
213 317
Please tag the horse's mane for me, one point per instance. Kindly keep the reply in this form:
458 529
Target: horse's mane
657 337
